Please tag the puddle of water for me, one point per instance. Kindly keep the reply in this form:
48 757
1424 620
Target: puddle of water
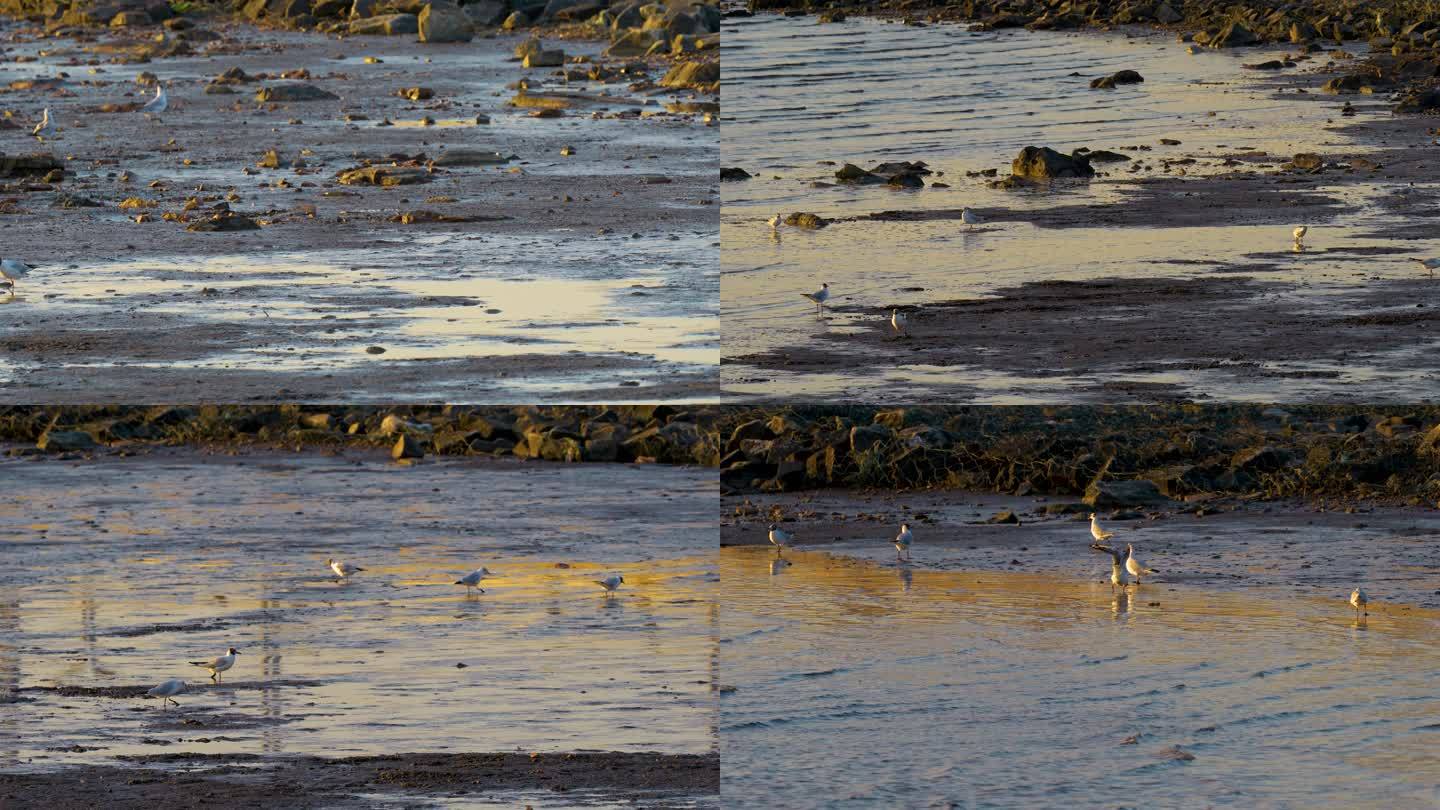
899 686
501 295
866 92
232 553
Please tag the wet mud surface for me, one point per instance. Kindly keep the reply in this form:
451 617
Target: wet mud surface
566 258
1171 275
574 780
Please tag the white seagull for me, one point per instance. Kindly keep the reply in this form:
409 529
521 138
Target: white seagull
779 538
168 690
1359 600
1098 533
46 127
902 541
775 222
1133 565
1300 233
820 296
1429 264
341 569
1118 577
156 105
219 664
611 583
898 320
11 271
970 218
472 579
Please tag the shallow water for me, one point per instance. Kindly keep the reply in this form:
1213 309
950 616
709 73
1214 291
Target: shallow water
122 570
437 297
849 683
865 91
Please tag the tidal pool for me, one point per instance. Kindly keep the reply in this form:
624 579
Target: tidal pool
122 570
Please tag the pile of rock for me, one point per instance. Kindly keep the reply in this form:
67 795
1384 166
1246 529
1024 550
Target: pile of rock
1128 456
622 433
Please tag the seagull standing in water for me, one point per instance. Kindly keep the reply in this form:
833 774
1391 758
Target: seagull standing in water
473 579
898 320
779 538
1118 577
820 296
158 104
342 570
1300 235
167 691
1133 565
775 222
1098 533
11 271
902 541
611 583
1359 600
219 664
970 218
1430 265
46 127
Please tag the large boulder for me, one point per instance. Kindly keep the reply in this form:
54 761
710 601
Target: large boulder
1113 494
1043 163
442 22
389 25
61 441
1233 35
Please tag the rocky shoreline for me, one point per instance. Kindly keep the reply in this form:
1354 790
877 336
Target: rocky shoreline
662 434
1111 457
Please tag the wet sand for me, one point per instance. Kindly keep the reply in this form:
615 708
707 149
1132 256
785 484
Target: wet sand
557 780
1170 276
543 276
137 565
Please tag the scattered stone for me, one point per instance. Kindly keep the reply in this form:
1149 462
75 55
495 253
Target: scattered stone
733 174
294 92
415 93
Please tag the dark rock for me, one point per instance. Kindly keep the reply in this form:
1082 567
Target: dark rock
1111 494
812 222
1042 162
407 446
1420 101
734 174
61 441
1307 160
1006 516
293 92
1117 78
1234 35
